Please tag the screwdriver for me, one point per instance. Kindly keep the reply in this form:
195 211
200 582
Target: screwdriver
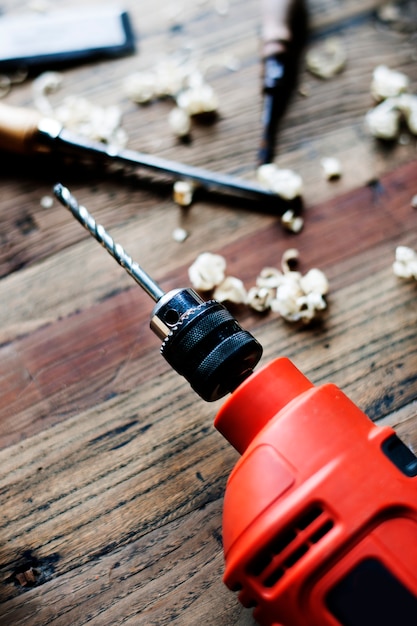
24 131
201 340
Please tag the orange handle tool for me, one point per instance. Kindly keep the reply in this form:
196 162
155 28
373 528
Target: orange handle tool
320 512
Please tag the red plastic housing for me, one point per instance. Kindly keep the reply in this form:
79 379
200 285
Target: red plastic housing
320 518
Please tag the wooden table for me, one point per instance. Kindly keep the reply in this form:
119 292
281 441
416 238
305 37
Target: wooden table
112 473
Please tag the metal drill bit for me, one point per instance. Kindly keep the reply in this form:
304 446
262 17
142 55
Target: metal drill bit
114 249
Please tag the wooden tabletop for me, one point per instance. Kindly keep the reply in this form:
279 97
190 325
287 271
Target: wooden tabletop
112 472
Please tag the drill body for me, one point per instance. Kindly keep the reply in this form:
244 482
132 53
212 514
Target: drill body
320 512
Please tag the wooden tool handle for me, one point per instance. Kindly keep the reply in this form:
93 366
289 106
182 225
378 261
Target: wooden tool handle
19 129
275 22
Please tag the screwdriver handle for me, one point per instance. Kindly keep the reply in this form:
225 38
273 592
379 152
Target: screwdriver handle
19 128
275 25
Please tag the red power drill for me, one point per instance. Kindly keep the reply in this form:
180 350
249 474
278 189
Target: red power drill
320 512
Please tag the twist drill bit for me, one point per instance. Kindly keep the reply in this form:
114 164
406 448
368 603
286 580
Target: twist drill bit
201 340
114 249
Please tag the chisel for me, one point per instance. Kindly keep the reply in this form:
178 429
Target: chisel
25 131
283 26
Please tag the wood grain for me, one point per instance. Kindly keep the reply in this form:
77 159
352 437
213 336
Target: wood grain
113 475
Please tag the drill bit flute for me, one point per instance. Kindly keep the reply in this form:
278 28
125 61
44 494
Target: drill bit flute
114 249
202 341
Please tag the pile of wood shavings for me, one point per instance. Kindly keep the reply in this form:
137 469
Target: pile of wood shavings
182 81
75 113
294 296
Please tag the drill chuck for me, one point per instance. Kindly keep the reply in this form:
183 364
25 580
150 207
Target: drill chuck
203 342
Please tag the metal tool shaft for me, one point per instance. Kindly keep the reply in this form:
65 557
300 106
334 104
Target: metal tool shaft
264 199
114 249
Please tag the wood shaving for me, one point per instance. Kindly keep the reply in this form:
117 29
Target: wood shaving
46 202
407 104
327 59
140 87
301 298
314 281
183 192
405 264
292 222
288 185
296 297
331 168
198 100
180 122
269 278
171 76
387 83
207 271
388 12
231 289
289 260
396 108
399 16
45 84
180 234
284 182
260 298
384 120
8 80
